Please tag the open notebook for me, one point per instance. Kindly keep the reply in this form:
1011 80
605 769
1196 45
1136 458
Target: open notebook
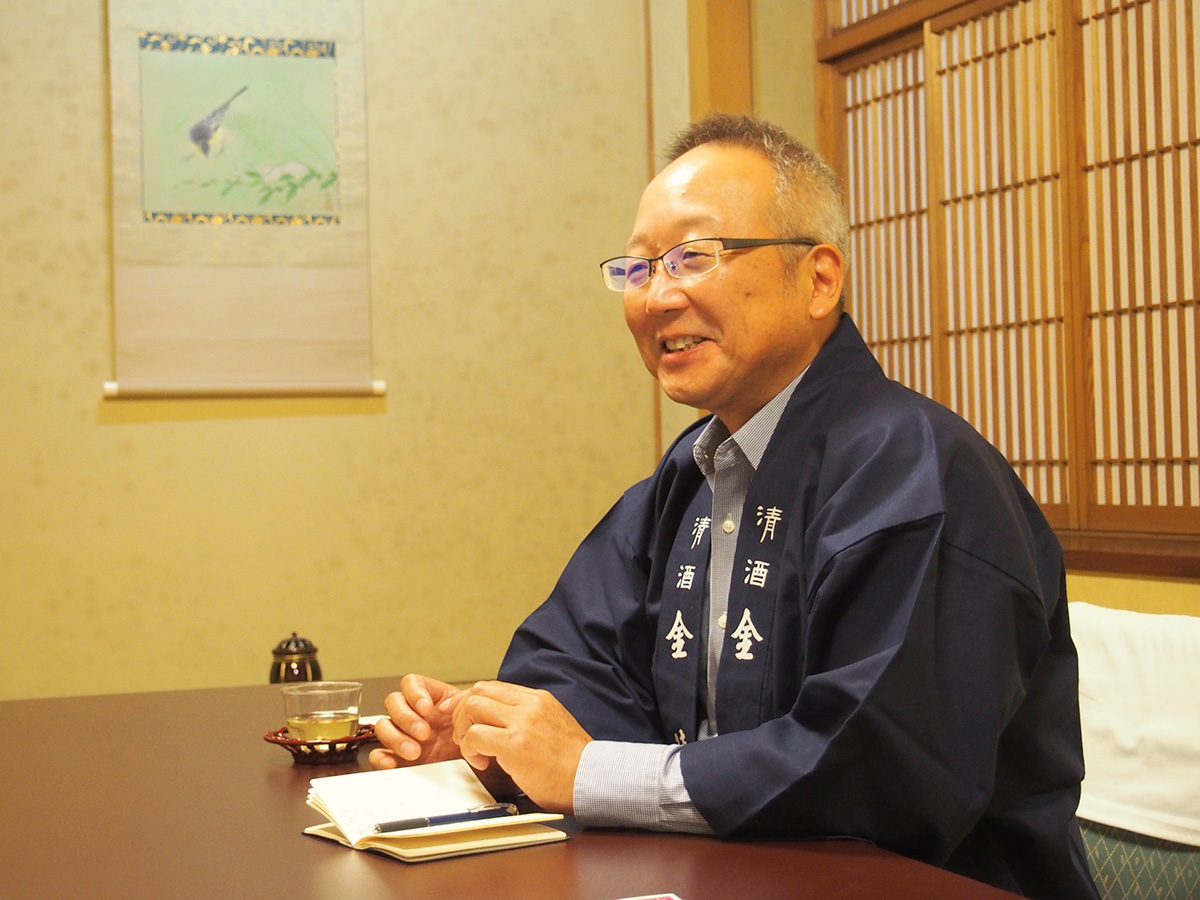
355 804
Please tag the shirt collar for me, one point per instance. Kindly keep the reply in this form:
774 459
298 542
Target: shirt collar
752 438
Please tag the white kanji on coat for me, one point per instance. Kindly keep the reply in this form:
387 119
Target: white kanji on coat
687 575
768 519
745 635
756 572
677 635
698 529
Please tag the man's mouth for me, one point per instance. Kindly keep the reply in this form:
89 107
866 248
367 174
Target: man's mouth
676 344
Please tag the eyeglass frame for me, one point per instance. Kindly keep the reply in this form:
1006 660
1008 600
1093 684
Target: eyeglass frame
726 244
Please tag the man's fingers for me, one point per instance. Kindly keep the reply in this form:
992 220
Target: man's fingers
416 692
502 692
528 733
408 721
480 710
418 727
482 743
396 740
477 761
383 759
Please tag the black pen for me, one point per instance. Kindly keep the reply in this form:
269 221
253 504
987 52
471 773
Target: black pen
490 811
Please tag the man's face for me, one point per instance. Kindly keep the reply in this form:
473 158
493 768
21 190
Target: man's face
729 340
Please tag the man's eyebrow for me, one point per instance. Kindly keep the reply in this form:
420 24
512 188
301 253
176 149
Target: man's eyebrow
688 224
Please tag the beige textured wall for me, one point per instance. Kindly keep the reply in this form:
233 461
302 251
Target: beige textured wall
785 61
168 544
1173 596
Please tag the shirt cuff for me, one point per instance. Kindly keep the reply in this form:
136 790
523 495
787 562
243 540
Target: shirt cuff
634 786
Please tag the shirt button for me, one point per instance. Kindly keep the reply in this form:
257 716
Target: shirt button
721 622
727 526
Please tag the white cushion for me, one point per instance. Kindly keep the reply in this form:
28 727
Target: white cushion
1139 702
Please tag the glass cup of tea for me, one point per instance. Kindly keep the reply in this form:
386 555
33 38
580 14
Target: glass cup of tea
321 710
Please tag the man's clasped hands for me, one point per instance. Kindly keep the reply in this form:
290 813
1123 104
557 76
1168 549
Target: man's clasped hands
517 738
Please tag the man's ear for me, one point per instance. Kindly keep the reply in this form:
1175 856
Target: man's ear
828 275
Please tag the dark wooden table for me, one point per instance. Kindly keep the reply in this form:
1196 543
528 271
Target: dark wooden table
175 795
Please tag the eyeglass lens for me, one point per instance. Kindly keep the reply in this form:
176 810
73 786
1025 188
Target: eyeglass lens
682 261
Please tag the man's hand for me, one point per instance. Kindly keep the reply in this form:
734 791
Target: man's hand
529 734
421 724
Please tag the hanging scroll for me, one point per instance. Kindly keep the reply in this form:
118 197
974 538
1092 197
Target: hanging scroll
240 245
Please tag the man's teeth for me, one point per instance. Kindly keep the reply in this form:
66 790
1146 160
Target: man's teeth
682 343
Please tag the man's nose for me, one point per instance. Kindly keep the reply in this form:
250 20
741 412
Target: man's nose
664 294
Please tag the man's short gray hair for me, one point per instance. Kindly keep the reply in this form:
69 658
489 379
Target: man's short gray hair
809 201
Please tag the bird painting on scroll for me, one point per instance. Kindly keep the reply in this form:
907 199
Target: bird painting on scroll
238 130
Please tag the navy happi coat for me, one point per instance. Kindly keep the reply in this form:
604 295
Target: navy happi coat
897 663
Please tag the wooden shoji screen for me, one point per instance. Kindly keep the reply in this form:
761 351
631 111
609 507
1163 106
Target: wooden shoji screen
1141 165
998 199
853 11
1022 178
889 209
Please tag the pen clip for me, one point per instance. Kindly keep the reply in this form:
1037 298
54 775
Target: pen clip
510 808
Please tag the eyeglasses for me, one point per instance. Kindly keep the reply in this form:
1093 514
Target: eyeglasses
623 273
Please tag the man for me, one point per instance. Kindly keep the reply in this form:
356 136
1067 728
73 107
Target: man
832 611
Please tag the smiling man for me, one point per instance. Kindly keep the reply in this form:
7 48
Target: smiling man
731 338
833 610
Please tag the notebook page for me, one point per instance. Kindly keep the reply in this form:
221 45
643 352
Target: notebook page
356 803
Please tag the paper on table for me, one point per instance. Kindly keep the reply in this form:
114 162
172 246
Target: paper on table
423 844
356 803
